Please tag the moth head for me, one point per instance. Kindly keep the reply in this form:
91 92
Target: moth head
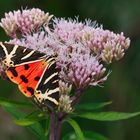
38 92
39 96
8 63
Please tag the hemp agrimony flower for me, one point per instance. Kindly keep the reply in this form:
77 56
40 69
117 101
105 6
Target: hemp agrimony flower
81 47
24 21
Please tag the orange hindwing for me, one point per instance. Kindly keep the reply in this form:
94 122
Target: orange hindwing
27 76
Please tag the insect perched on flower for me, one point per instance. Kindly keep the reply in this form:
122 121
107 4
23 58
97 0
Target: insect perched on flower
34 72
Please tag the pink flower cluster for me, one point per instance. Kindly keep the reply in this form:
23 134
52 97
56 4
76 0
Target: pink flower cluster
101 42
81 47
24 21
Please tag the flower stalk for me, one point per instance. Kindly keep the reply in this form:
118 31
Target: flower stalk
56 120
52 126
55 127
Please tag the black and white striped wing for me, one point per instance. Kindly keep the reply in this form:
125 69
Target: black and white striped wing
47 90
13 55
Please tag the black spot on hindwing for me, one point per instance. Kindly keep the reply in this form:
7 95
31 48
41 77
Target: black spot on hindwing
24 79
13 71
26 66
37 78
31 90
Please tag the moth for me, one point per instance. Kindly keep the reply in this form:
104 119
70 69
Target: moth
34 72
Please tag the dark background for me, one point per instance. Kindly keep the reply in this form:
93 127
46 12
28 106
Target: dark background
123 85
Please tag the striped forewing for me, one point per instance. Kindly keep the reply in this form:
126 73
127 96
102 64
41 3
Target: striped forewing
49 85
18 54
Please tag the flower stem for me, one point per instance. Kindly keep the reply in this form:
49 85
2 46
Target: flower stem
52 126
59 127
76 98
56 120
55 127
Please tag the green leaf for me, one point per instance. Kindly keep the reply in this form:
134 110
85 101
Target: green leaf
10 103
92 106
77 129
14 112
36 128
107 116
47 127
30 119
90 135
70 136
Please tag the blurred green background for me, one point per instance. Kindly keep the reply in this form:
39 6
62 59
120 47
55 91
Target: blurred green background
123 85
